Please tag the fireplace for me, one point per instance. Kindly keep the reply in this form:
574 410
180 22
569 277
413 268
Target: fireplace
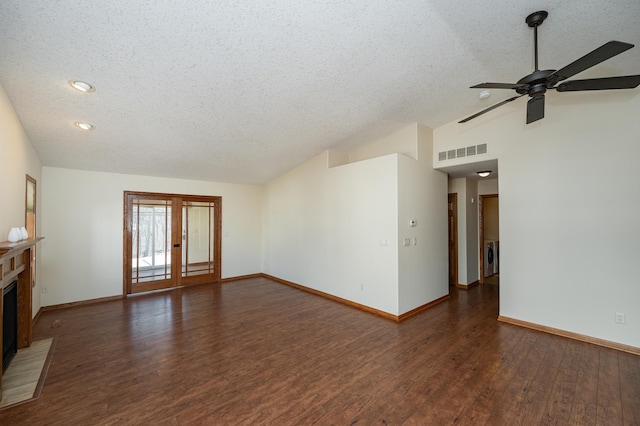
16 269
9 324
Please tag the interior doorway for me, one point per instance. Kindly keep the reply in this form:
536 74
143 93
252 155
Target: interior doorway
170 240
489 238
453 240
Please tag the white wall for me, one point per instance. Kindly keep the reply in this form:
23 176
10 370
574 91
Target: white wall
473 243
422 195
337 229
468 251
17 160
488 186
569 202
81 257
401 142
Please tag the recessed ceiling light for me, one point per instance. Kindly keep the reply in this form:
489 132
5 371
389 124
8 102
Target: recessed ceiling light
82 86
83 125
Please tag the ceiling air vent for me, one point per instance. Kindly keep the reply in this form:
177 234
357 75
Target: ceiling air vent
451 154
471 150
442 156
482 149
461 152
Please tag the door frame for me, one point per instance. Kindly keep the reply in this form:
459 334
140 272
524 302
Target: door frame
453 266
176 231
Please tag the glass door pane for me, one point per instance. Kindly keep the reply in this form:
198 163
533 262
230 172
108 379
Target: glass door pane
198 248
150 241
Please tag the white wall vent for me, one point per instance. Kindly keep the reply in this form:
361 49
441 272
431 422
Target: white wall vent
461 152
451 154
471 150
442 156
482 149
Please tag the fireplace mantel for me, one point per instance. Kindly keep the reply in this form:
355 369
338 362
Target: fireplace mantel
16 261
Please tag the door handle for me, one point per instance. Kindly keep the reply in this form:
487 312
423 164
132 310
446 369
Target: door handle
176 245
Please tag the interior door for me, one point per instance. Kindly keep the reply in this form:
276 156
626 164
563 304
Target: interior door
170 241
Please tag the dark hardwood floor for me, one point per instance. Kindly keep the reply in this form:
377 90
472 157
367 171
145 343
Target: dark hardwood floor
259 352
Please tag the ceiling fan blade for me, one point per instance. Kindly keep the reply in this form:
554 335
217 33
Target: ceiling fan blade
498 86
535 109
608 83
601 54
490 108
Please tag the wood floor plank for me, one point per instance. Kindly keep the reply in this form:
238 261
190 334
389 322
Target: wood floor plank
609 408
560 402
585 397
629 388
513 398
428 371
258 352
492 397
453 396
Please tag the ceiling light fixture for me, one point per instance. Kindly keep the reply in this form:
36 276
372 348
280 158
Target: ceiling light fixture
83 125
82 86
484 173
484 94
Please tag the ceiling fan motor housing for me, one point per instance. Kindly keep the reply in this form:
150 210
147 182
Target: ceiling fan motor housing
536 82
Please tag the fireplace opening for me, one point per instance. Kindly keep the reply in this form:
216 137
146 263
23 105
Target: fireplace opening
9 324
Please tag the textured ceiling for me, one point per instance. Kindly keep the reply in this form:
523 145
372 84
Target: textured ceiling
242 91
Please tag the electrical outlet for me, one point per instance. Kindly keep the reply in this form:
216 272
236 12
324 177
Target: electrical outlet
620 317
362 287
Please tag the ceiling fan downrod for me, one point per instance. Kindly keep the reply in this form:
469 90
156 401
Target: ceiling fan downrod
534 20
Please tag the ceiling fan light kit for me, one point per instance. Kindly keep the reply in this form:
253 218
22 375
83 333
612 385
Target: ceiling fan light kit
539 81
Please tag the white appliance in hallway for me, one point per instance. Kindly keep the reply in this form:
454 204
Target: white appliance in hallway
489 258
496 257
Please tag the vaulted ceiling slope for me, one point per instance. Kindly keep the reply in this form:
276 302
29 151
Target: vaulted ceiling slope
242 91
